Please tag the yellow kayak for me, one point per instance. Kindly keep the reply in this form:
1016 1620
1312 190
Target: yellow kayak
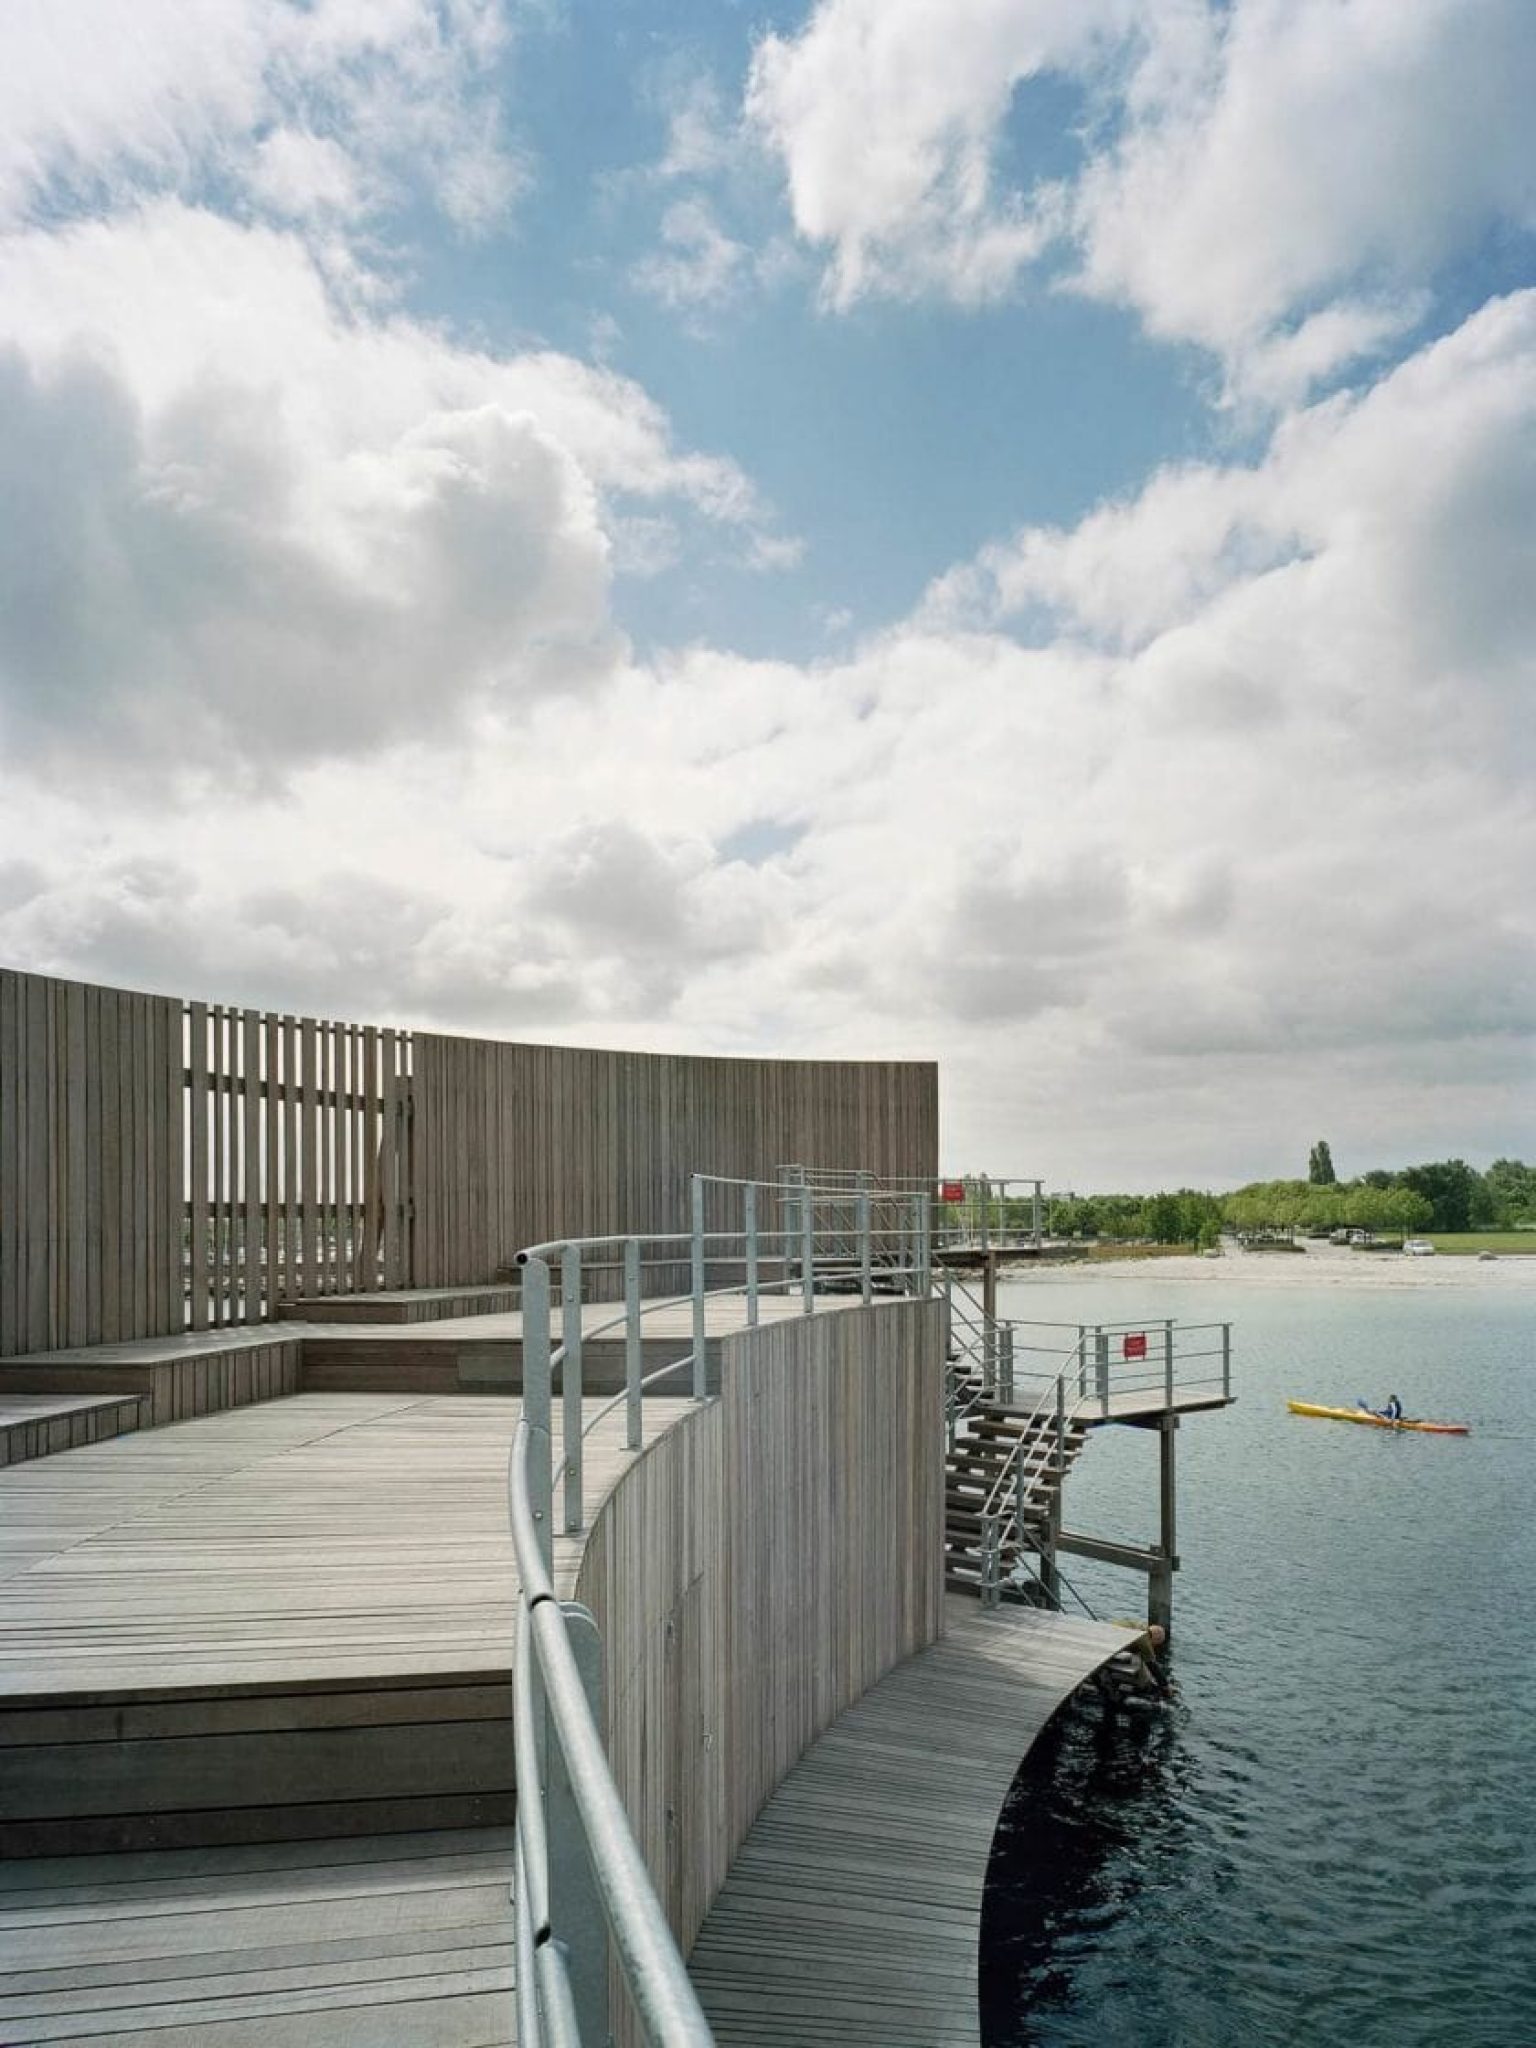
1368 1415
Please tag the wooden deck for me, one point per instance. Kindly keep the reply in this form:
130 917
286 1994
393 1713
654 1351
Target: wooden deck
852 1914
287 1621
404 1942
325 1536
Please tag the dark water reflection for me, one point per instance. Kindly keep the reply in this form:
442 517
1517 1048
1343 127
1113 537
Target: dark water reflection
1330 1836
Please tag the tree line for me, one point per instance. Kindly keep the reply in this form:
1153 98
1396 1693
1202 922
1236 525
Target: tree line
1443 1195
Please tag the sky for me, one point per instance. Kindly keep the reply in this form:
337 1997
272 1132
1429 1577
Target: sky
1000 531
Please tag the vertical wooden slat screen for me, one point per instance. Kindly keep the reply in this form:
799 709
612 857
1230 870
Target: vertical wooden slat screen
167 1164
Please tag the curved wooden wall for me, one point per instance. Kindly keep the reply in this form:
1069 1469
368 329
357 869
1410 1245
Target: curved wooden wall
521 1144
170 1164
759 1568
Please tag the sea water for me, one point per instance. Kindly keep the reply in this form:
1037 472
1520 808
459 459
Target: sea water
1328 1840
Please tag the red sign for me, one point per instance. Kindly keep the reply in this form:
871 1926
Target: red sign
1135 1347
951 1190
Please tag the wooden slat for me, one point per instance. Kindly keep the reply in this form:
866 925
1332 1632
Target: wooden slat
11 1322
272 1129
853 1912
252 1234
293 1272
198 1111
400 1941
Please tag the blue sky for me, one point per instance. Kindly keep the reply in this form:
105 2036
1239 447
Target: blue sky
970 419
997 532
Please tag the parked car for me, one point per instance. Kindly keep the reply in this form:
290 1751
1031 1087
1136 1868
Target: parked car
1418 1248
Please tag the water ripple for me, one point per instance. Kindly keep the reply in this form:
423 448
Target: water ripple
1329 1839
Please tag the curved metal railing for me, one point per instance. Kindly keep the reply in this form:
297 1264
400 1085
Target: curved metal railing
796 1239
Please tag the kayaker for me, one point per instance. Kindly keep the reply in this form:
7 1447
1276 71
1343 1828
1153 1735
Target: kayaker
1393 1412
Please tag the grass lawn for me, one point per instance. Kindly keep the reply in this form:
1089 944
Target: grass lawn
1472 1241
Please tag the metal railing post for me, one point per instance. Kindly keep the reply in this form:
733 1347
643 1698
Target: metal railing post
1226 1361
1082 1362
577 1911
1168 1362
537 1403
807 1251
1050 1577
634 1355
570 1383
1101 1365
990 1594
749 1223
700 1337
866 1250
923 1280
1005 1359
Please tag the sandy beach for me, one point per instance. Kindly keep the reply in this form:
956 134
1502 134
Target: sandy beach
1317 1265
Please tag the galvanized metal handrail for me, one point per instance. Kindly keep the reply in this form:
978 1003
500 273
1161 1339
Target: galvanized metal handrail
561 1991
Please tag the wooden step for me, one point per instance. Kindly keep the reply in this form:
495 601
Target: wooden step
192 1768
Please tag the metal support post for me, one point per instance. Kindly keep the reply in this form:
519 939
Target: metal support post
1037 1222
1101 1366
749 1222
1082 1362
634 1369
986 1213
991 1594
700 1337
537 1401
807 1251
1160 1578
1050 1573
570 1383
923 1234
1005 1359
1168 1363
577 1910
866 1249
951 1368
1226 1361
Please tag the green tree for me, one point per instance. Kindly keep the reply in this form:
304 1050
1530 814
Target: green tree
1320 1165
1511 1186
1453 1191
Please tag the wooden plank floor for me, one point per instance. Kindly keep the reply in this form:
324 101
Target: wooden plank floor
322 1536
852 1914
399 1942
723 1314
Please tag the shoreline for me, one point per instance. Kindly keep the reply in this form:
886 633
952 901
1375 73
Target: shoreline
1317 1265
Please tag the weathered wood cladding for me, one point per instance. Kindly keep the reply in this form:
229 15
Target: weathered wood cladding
167 1165
759 1568
520 1144
91 1189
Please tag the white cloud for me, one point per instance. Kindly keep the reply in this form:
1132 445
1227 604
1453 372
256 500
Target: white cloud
1262 844
336 103
698 264
1315 143
887 115
297 175
252 524
1278 181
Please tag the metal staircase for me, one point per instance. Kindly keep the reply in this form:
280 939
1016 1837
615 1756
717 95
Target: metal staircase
1002 1488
